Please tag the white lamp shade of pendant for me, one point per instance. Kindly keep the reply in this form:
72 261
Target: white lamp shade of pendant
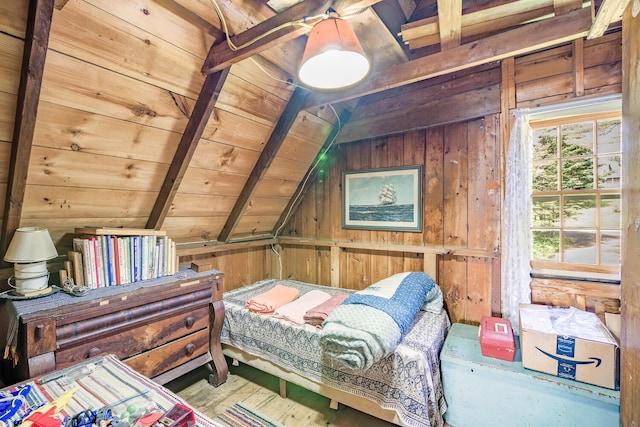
333 57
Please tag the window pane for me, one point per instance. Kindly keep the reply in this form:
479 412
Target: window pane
545 143
546 212
610 211
545 176
610 248
609 171
580 211
609 136
577 139
580 247
577 174
546 245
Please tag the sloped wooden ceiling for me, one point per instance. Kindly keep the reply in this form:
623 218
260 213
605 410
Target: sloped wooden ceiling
138 114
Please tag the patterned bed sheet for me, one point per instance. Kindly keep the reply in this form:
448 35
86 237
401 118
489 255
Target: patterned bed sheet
407 381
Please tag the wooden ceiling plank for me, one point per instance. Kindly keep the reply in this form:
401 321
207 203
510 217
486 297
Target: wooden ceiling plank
34 56
450 23
186 148
610 11
269 152
298 196
221 55
565 6
527 38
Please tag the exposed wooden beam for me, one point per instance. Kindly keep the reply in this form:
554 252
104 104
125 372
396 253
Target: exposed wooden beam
450 23
565 6
527 38
427 31
298 196
269 152
610 11
33 59
221 56
190 138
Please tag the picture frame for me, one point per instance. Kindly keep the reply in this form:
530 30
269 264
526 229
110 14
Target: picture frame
383 199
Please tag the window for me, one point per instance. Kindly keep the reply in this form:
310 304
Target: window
576 190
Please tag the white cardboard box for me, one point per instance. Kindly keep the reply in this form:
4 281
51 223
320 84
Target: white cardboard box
569 343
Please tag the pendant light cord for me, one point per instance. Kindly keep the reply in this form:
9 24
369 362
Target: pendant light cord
304 22
307 21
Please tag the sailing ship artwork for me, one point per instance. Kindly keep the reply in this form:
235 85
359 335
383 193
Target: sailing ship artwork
383 199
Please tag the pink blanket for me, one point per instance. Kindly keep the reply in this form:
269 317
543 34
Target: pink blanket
267 302
316 315
295 310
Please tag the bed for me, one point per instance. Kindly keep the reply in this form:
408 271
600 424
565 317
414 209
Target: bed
405 385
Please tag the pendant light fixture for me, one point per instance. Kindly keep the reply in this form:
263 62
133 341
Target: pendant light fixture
333 57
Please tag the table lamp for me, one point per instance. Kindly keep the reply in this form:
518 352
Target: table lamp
29 251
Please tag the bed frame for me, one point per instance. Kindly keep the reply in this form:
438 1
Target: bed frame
336 396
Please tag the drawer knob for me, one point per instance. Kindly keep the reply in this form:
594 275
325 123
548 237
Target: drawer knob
189 321
190 348
39 332
93 351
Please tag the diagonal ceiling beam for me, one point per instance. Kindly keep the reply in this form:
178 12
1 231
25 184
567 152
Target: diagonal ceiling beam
298 195
188 143
221 56
33 59
610 11
264 161
528 38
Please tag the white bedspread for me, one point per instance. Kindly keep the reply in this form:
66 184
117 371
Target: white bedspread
406 381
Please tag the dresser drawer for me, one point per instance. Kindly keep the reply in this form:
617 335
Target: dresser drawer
127 342
154 362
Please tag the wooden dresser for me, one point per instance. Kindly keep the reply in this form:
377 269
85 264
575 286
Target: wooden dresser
158 327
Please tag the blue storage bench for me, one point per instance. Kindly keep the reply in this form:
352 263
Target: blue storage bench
483 391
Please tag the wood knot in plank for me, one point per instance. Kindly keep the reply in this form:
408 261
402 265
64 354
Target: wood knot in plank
142 110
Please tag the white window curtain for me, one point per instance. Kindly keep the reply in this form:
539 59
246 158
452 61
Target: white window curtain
516 270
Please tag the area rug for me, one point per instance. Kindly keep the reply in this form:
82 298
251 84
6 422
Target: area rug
240 415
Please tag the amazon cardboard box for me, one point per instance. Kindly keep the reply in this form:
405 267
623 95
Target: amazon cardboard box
569 343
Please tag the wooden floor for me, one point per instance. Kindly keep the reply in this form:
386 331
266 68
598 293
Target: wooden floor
259 391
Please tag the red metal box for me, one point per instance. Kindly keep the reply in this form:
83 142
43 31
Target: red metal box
496 338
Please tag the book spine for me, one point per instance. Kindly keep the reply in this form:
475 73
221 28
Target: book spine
136 259
80 246
116 259
152 257
144 257
113 260
100 273
92 262
107 253
127 259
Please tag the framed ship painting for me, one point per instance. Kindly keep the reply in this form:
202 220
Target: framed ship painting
383 199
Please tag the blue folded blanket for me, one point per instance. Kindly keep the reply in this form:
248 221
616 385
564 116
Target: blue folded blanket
399 299
369 324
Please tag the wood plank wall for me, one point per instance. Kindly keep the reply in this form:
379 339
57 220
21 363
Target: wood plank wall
462 200
630 338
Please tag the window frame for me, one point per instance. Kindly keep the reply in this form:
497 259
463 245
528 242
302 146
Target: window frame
597 272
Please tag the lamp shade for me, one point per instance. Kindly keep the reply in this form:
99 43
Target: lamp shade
30 244
333 57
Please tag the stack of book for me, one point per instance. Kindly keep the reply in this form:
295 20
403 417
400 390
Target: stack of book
113 256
